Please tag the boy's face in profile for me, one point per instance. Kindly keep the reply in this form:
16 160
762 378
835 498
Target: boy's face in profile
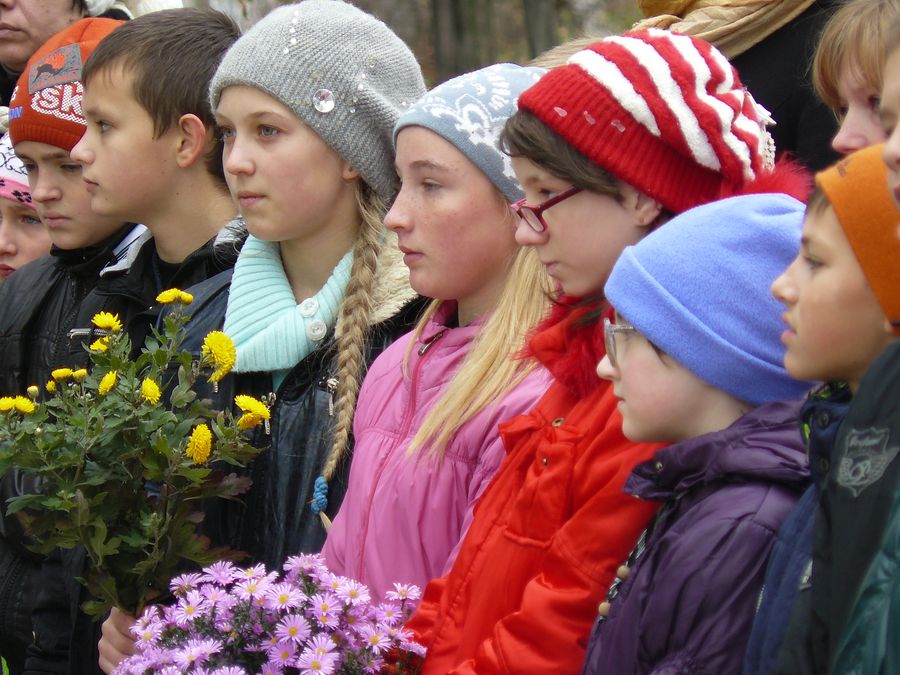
835 326
61 198
890 115
124 166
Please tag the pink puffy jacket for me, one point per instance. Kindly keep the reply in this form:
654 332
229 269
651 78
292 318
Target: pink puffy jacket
402 517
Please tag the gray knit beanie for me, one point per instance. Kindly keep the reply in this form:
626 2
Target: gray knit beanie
470 111
343 72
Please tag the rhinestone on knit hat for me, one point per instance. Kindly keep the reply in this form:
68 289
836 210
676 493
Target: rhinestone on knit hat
323 101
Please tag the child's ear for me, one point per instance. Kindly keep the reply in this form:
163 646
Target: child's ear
644 208
348 173
193 137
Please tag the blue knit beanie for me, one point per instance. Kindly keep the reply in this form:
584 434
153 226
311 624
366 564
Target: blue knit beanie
698 288
469 111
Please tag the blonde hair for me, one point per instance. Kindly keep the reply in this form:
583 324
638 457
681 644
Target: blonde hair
493 366
854 37
353 321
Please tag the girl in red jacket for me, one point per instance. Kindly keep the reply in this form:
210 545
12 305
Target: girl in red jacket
633 129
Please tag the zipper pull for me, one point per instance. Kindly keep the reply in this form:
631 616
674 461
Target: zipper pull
270 402
331 386
427 345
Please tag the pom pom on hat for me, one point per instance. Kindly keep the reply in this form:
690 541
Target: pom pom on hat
13 177
46 103
343 72
698 288
857 189
469 111
666 113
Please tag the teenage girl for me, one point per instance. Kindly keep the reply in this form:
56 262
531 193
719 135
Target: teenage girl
426 426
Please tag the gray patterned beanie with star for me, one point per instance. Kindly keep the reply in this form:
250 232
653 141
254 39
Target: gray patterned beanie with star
343 72
469 111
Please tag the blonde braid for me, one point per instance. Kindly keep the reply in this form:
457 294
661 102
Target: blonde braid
353 321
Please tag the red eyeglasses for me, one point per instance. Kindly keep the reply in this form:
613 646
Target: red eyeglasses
532 214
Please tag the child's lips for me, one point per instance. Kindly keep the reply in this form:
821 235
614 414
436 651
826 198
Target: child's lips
248 199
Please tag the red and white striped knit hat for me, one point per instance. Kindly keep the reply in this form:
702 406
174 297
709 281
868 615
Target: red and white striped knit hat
663 112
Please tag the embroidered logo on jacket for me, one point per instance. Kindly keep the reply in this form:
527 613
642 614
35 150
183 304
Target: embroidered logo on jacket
866 456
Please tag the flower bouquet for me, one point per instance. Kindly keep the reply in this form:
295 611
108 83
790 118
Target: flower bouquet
234 621
120 469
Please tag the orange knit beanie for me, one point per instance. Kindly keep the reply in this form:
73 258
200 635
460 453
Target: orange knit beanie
46 103
856 188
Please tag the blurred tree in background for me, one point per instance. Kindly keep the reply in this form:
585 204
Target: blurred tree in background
455 36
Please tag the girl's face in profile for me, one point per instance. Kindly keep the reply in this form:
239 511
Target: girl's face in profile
585 233
859 116
454 228
288 183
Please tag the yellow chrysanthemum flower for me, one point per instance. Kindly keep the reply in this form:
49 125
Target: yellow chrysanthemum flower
199 444
23 405
100 345
51 386
218 351
7 403
107 321
174 295
248 421
79 374
150 391
61 374
33 391
107 383
251 405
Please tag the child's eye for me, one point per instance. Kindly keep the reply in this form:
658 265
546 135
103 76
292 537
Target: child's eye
71 168
430 185
103 126
29 167
31 220
875 103
811 262
226 134
267 131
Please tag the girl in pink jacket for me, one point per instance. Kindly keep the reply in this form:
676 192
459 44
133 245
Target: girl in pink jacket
426 440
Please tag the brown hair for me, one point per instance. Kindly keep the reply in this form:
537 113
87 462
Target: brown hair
558 56
172 56
856 36
524 135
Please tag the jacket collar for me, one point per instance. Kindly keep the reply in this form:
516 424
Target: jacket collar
764 444
569 343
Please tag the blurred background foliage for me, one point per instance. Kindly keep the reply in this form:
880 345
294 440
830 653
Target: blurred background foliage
455 36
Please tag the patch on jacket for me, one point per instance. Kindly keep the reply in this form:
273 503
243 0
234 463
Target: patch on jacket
865 458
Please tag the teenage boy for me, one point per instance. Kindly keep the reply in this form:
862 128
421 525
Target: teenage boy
150 155
842 297
41 300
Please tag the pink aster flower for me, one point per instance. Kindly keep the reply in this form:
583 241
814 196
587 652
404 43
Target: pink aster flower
230 670
353 592
326 607
183 583
285 596
388 613
196 652
375 638
292 627
414 647
404 592
189 608
321 644
251 587
270 669
221 573
311 663
255 572
282 654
